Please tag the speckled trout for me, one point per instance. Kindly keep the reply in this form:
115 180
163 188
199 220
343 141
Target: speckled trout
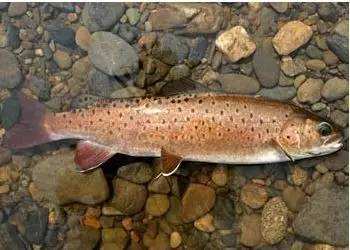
207 127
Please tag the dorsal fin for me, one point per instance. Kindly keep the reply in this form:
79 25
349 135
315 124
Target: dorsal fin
170 162
89 155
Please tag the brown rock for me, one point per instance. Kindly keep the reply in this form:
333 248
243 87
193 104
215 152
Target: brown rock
83 38
205 223
235 43
250 230
315 64
254 195
330 58
292 67
294 198
291 36
197 201
310 91
157 204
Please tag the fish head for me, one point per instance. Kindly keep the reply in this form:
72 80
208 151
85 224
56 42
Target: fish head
305 136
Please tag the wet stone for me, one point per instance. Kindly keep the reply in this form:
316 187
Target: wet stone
334 89
159 185
342 28
62 59
313 52
173 214
325 218
17 9
83 38
274 220
112 55
223 213
197 200
101 84
10 74
339 117
157 204
239 84
171 49
63 36
5 156
128 32
10 238
292 67
266 64
133 15
82 238
101 16
129 197
294 198
280 7
310 91
337 161
12 33
327 12
138 172
52 182
340 46
205 223
315 64
10 112
250 230
254 195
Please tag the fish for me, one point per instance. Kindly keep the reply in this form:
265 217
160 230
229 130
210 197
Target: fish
211 127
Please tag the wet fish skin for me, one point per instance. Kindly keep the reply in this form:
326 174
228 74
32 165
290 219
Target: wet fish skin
208 127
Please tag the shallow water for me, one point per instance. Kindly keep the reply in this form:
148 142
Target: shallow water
71 55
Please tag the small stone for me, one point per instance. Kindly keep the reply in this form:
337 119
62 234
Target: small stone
157 204
327 12
39 52
318 106
294 198
239 84
10 238
339 117
299 80
274 219
254 195
39 87
4 189
129 197
330 58
112 55
250 230
115 235
177 72
315 64
17 9
127 223
101 16
72 17
5 156
291 36
64 36
91 221
82 238
197 200
340 178
339 45
313 52
325 218
337 161
83 38
292 67
310 91
266 64
10 74
101 84
235 43
133 15
171 49
219 176
52 182
285 81
138 172
321 168
280 7
299 176
334 89
62 59
342 28
205 223
159 185
175 239
147 40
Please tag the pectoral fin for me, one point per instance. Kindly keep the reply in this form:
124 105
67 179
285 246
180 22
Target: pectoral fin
90 155
170 163
278 144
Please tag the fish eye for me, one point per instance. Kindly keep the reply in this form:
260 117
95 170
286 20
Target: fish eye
324 128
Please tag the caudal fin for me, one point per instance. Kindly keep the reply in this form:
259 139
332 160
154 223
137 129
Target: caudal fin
29 130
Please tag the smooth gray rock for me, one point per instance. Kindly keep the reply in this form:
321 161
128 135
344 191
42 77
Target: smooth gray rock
239 84
10 74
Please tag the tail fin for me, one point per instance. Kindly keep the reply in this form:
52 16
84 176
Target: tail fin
29 131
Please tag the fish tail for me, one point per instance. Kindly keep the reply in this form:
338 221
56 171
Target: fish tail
29 130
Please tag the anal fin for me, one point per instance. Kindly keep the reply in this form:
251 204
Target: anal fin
89 155
170 162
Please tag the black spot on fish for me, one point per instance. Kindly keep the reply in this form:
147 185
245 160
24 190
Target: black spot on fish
221 112
173 101
252 129
178 101
186 99
237 110
192 110
207 111
200 101
187 119
261 121
91 122
251 115
245 106
243 121
131 118
108 112
100 120
267 131
111 132
179 109
159 101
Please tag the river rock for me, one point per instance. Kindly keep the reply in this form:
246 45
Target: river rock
330 58
254 195
31 221
291 36
101 16
340 46
342 28
239 84
294 198
327 12
159 185
315 64
279 93
235 43
55 173
205 223
197 200
39 87
129 197
17 9
157 204
334 89
62 59
292 67
266 64
64 36
10 74
337 161
112 55
82 238
325 217
11 239
310 91
171 49
83 38
171 18
280 7
137 172
250 230
274 219
101 84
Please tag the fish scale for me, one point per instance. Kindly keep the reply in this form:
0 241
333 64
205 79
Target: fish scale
195 126
208 127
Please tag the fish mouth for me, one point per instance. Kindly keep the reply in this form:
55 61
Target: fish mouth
330 145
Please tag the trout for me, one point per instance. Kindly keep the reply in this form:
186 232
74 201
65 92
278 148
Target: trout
206 127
